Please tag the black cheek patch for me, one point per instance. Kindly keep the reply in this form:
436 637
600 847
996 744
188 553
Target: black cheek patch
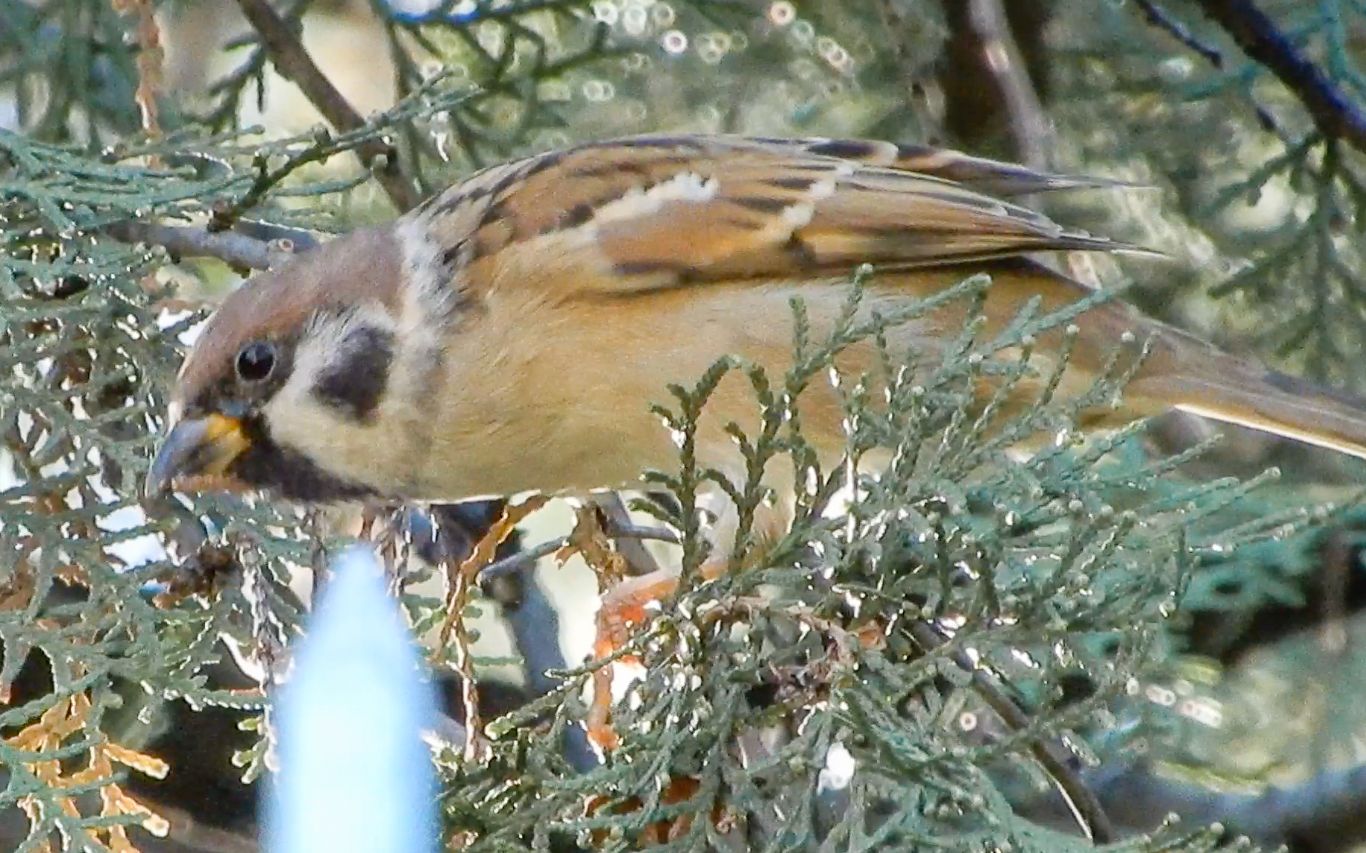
356 382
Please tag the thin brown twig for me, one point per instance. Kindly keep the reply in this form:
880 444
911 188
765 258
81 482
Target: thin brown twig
149 63
1053 757
639 560
293 62
227 214
1338 557
461 581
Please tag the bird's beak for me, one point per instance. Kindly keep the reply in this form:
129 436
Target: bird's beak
196 447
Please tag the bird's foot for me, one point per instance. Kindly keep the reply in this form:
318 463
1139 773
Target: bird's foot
624 608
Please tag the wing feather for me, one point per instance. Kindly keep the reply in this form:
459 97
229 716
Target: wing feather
650 212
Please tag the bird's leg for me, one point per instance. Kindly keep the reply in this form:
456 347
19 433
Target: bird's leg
624 607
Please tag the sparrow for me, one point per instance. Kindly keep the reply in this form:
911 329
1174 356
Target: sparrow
510 334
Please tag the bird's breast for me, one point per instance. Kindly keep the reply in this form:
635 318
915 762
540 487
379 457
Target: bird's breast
557 398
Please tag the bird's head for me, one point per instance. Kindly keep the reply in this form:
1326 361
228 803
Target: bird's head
287 364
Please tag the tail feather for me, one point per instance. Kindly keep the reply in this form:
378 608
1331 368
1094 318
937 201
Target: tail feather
1231 390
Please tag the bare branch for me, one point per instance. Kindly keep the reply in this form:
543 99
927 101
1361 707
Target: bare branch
183 241
300 239
521 560
287 52
986 42
535 627
1163 20
1000 59
1335 115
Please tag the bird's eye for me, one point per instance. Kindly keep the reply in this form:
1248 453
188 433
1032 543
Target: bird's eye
255 361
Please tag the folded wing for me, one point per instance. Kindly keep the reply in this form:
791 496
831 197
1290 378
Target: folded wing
652 212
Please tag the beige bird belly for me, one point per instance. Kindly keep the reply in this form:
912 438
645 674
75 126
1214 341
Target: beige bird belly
561 399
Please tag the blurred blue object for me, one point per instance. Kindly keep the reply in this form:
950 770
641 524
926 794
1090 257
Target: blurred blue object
441 13
354 773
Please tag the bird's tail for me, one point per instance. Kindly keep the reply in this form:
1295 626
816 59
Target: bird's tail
1225 388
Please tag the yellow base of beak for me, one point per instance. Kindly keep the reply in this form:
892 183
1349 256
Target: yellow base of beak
199 451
